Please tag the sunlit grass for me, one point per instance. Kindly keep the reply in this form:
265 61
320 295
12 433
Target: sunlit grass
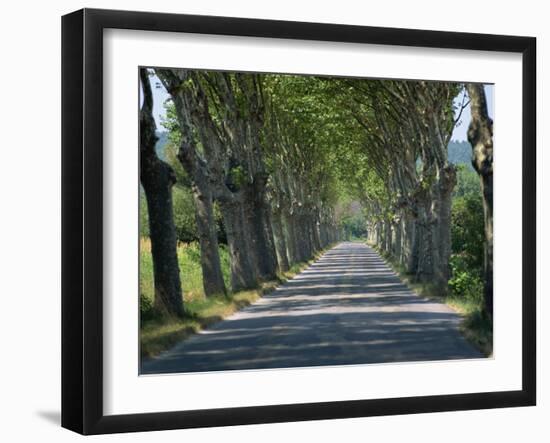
190 269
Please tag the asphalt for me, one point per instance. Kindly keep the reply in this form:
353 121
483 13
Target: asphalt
347 308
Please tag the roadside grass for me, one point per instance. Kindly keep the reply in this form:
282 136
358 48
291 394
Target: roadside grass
475 327
158 333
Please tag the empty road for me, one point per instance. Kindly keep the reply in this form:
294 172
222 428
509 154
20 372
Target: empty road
349 307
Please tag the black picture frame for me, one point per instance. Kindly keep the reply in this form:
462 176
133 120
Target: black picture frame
82 219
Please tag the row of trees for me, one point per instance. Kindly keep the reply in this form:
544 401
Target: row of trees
408 184
408 139
281 156
257 158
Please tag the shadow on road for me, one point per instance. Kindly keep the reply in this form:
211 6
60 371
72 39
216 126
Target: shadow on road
347 308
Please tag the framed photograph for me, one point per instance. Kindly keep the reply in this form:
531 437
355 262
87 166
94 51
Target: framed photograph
268 221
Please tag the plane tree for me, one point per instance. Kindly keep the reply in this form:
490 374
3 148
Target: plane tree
157 179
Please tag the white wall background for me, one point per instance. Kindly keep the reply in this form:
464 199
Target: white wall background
30 219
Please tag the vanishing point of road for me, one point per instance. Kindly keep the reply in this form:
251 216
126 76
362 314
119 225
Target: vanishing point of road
348 307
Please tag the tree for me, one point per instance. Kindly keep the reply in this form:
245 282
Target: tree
480 136
196 167
157 179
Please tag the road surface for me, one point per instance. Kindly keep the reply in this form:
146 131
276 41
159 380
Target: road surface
348 307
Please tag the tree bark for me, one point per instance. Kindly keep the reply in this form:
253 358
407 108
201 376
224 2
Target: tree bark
212 276
197 169
157 178
262 246
397 239
480 136
447 183
426 248
316 234
280 240
243 271
409 242
292 242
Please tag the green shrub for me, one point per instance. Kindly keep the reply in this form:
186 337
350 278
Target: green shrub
465 283
467 238
146 311
184 214
467 226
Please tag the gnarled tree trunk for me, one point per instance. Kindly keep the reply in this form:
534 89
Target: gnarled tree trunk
157 178
447 183
289 222
408 253
197 169
243 270
262 234
212 277
280 240
480 136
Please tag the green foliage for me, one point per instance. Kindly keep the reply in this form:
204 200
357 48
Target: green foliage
466 281
467 183
146 311
171 154
190 272
184 214
467 239
170 123
237 176
467 225
354 225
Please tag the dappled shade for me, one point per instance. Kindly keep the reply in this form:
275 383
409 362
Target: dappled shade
347 308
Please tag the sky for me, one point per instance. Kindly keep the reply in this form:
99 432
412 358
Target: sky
459 133
160 95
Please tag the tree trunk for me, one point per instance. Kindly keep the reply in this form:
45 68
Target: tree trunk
261 239
157 178
197 169
243 272
439 280
305 237
292 241
397 239
480 136
316 232
280 241
424 240
447 183
212 276
409 253
302 238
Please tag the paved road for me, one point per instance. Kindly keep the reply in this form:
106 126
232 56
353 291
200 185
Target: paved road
347 308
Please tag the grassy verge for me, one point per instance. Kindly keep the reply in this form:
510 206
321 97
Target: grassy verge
160 333
475 327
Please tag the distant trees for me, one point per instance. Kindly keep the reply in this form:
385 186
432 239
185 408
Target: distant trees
157 179
303 166
406 127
